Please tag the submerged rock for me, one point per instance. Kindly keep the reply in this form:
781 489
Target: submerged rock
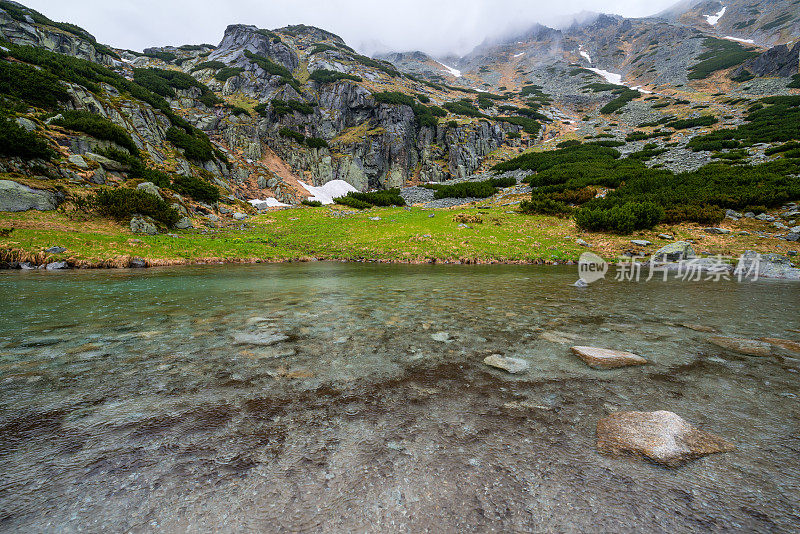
751 347
262 339
607 358
442 337
662 437
785 344
699 327
581 283
509 365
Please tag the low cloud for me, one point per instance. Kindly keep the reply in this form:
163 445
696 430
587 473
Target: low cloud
440 28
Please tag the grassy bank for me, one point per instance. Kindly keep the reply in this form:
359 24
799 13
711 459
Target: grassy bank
401 235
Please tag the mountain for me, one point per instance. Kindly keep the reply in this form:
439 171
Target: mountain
266 111
765 23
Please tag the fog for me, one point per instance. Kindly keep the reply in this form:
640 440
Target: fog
439 28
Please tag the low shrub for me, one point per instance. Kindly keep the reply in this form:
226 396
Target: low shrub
390 197
720 54
545 206
36 87
287 107
96 126
15 141
213 65
196 188
311 203
316 142
291 134
122 203
196 147
223 75
352 202
323 76
625 95
705 120
620 219
482 189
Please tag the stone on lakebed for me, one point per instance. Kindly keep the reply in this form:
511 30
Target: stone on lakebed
661 437
751 347
509 365
606 358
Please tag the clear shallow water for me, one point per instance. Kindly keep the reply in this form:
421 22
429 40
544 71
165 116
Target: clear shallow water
138 401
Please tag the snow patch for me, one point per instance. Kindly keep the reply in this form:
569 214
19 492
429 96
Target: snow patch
269 202
520 54
748 41
585 54
610 77
327 192
451 70
713 19
643 91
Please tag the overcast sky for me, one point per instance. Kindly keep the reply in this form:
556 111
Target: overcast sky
435 26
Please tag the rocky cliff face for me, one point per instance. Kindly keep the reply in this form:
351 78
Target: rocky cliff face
766 23
20 28
370 144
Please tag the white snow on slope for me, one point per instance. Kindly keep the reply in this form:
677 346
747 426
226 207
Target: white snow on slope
326 193
748 41
269 202
713 19
451 70
585 54
520 54
610 77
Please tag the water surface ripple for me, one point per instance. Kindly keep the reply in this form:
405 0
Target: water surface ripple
338 397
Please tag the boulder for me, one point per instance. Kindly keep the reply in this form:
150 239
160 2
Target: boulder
641 242
106 163
772 266
26 124
78 161
184 224
240 216
717 231
662 437
150 187
607 358
509 365
18 197
730 214
137 263
751 347
665 237
679 250
582 243
55 250
140 225
57 266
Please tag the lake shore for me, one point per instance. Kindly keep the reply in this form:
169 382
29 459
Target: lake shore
379 235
